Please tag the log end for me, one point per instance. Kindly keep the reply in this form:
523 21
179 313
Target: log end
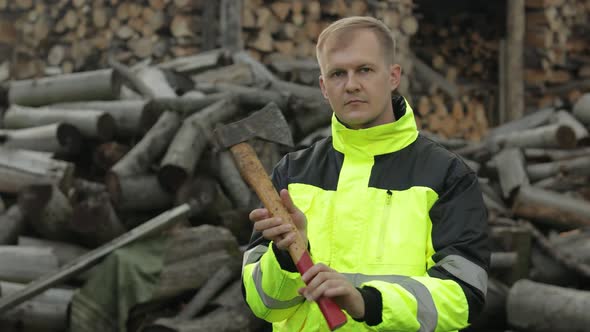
171 177
149 116
566 137
70 138
34 198
113 186
106 127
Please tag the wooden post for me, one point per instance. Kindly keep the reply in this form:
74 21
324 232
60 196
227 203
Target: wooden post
515 58
230 24
502 83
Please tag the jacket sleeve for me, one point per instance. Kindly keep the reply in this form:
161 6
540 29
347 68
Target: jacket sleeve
269 277
453 290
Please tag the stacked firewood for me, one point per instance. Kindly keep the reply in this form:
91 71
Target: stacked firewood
72 35
272 29
455 67
556 52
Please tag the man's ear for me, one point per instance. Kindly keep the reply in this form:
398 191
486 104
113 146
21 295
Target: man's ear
395 73
323 87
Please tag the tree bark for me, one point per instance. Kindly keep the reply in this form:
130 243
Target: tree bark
47 312
581 109
557 210
511 170
562 309
529 121
63 251
578 166
25 264
58 138
47 210
555 154
126 113
515 54
550 136
231 180
189 143
91 123
566 119
20 168
91 85
154 142
12 224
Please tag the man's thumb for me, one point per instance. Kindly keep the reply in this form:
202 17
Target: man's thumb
287 201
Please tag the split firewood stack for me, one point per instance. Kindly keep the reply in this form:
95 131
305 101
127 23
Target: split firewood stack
557 58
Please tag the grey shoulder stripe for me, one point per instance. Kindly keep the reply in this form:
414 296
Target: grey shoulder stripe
427 314
466 270
253 255
269 301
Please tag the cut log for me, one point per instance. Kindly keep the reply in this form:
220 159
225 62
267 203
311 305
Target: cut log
154 142
231 25
12 224
494 311
566 119
47 210
249 97
561 183
425 73
126 113
237 73
511 170
555 154
47 312
91 123
20 168
196 63
141 193
529 121
59 138
577 166
562 309
220 319
232 182
189 143
184 105
95 222
550 136
91 85
107 155
63 251
24 264
150 227
557 210
581 109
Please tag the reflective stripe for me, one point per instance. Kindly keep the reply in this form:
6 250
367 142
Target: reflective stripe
269 301
427 314
466 270
253 255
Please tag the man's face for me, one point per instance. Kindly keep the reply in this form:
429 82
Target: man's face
357 80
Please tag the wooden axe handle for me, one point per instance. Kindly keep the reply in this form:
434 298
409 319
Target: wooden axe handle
253 172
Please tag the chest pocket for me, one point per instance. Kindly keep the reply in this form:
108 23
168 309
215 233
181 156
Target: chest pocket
398 233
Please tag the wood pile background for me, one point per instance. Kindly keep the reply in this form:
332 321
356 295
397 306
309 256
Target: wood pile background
83 164
557 57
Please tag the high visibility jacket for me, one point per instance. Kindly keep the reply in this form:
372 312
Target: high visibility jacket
400 216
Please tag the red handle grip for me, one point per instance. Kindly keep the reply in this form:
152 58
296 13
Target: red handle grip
332 313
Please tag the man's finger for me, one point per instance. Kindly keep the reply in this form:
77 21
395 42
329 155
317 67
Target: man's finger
287 201
258 214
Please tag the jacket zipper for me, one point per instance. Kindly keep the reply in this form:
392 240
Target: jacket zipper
384 225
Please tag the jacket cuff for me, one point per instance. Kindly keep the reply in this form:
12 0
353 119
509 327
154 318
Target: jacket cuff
373 306
284 258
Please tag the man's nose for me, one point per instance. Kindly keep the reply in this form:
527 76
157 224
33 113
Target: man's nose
352 83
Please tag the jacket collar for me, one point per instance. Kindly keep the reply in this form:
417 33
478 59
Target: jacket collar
382 139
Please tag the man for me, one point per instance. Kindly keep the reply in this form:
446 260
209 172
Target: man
396 224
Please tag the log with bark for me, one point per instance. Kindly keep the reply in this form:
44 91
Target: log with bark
581 109
60 139
95 221
91 85
90 123
47 210
12 224
21 168
562 309
46 312
511 170
24 264
190 141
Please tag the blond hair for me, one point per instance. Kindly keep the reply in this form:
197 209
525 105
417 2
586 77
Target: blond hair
382 32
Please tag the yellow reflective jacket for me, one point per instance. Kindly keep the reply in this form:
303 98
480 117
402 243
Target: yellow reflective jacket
401 217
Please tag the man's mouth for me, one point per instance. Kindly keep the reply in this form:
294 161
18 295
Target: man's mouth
354 101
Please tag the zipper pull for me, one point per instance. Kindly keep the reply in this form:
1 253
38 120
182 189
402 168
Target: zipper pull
389 195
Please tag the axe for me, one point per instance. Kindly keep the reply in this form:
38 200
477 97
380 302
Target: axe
268 123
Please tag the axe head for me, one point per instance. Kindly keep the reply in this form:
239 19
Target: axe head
267 123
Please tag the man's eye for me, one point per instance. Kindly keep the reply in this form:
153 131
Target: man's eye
365 70
337 74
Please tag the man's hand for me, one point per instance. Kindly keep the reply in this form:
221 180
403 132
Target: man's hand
324 281
277 230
